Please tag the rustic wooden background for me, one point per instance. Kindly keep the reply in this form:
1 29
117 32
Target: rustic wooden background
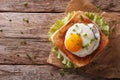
24 46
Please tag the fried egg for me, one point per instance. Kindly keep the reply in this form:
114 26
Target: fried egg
82 39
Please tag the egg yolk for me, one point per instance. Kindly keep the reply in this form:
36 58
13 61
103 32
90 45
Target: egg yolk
73 43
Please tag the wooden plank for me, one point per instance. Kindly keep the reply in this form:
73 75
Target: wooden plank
51 5
36 72
24 42
107 5
15 25
33 5
23 51
27 25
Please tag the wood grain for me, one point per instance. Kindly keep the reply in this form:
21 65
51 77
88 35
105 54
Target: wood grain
107 5
14 25
39 72
33 5
20 39
23 38
23 51
51 5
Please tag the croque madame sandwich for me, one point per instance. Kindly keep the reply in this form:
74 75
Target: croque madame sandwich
78 38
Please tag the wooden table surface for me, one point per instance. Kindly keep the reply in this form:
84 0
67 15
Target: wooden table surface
24 46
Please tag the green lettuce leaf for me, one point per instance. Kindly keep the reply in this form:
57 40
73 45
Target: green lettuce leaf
67 63
99 21
59 23
55 27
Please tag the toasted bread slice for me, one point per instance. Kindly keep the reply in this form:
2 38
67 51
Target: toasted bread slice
58 41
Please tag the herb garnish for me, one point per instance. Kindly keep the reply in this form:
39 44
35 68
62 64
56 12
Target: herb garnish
62 73
21 32
74 30
109 46
78 34
1 30
85 35
5 59
113 21
92 40
79 44
86 46
51 74
76 26
113 30
98 7
71 33
25 4
23 42
10 20
29 57
18 55
93 64
81 17
26 20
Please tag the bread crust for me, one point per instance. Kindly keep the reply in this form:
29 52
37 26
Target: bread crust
58 41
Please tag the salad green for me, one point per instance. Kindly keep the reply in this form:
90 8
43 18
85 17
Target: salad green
59 23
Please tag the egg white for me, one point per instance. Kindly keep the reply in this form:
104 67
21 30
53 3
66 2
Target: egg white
91 31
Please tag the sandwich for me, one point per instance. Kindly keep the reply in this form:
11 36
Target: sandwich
78 37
